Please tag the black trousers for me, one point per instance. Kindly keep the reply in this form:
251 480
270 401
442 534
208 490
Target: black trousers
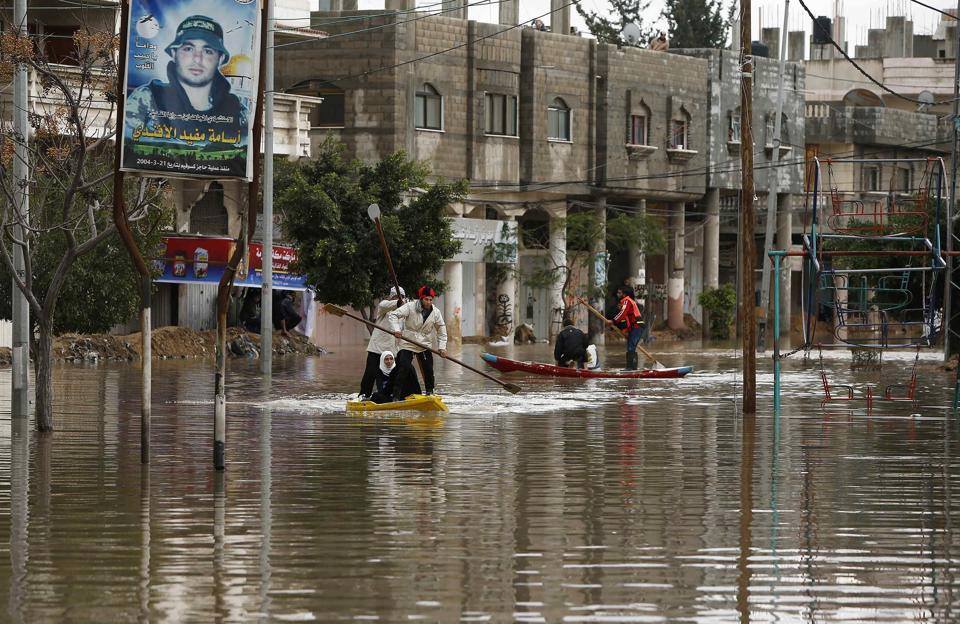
370 373
407 382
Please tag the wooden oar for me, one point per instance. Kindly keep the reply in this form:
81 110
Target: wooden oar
373 211
656 362
338 311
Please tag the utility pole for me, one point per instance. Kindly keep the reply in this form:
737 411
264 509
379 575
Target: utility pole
748 317
20 399
266 290
773 187
948 324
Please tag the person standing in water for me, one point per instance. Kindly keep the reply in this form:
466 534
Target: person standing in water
380 342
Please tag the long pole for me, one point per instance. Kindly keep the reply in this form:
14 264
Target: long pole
748 322
126 236
20 399
606 321
773 183
952 203
266 292
247 224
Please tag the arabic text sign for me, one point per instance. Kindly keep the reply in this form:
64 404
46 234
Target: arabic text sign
477 235
201 260
191 84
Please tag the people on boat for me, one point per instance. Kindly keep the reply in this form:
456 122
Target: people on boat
380 341
571 345
384 379
422 322
593 360
628 319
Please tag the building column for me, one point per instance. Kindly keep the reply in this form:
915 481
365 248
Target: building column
453 302
400 5
784 240
711 251
455 8
558 258
509 12
480 299
506 303
598 272
675 281
560 17
636 260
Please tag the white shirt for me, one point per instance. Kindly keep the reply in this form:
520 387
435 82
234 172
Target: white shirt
408 318
381 341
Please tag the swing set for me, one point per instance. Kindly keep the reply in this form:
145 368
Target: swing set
874 269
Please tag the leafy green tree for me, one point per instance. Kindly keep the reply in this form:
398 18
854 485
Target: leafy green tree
721 304
610 30
696 23
324 206
101 285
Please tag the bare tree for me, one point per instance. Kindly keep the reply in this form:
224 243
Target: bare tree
73 122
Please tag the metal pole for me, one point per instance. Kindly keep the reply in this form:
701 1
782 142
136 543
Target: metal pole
776 334
952 203
773 182
266 292
20 396
748 260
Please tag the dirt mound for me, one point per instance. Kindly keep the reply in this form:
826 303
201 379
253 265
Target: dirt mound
174 342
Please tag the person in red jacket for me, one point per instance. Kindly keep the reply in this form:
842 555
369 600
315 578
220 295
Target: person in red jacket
629 320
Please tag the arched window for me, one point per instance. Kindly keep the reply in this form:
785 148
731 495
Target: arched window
680 130
733 127
639 129
329 113
429 108
558 120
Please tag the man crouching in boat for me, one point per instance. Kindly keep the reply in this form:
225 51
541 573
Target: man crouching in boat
380 342
571 345
421 321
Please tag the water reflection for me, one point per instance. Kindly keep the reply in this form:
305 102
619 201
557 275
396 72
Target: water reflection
605 501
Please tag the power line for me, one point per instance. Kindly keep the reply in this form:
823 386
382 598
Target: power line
829 38
933 8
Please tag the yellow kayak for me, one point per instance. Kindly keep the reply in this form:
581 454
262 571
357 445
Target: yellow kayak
418 402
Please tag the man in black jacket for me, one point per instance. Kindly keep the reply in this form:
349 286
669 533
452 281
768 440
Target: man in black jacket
571 345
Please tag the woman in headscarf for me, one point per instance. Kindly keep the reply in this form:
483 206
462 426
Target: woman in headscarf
385 378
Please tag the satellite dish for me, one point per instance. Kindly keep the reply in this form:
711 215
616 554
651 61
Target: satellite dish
373 211
631 34
926 100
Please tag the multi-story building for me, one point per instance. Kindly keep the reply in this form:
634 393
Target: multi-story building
543 124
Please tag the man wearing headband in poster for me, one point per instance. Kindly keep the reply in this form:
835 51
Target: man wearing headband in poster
194 116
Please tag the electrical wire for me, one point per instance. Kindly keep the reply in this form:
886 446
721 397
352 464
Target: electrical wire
933 8
824 33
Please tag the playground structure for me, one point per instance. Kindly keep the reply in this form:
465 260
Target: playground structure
874 268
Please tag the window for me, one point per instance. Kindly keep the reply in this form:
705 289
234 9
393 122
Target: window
871 179
558 120
678 134
770 129
904 180
501 114
329 114
733 129
429 108
638 130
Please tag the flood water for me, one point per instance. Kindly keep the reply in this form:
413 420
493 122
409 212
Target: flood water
574 501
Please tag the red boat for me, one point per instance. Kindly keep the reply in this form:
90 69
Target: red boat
506 365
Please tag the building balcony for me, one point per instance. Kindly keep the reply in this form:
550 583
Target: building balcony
869 125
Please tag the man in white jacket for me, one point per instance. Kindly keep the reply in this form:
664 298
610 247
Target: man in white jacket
380 341
421 321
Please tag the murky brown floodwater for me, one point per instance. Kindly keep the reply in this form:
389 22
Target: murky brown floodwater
599 501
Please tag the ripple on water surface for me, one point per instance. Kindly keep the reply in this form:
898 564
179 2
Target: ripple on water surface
573 501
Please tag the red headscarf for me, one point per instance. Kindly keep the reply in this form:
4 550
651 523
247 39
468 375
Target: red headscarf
425 291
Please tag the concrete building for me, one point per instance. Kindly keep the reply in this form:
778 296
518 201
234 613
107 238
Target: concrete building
545 125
